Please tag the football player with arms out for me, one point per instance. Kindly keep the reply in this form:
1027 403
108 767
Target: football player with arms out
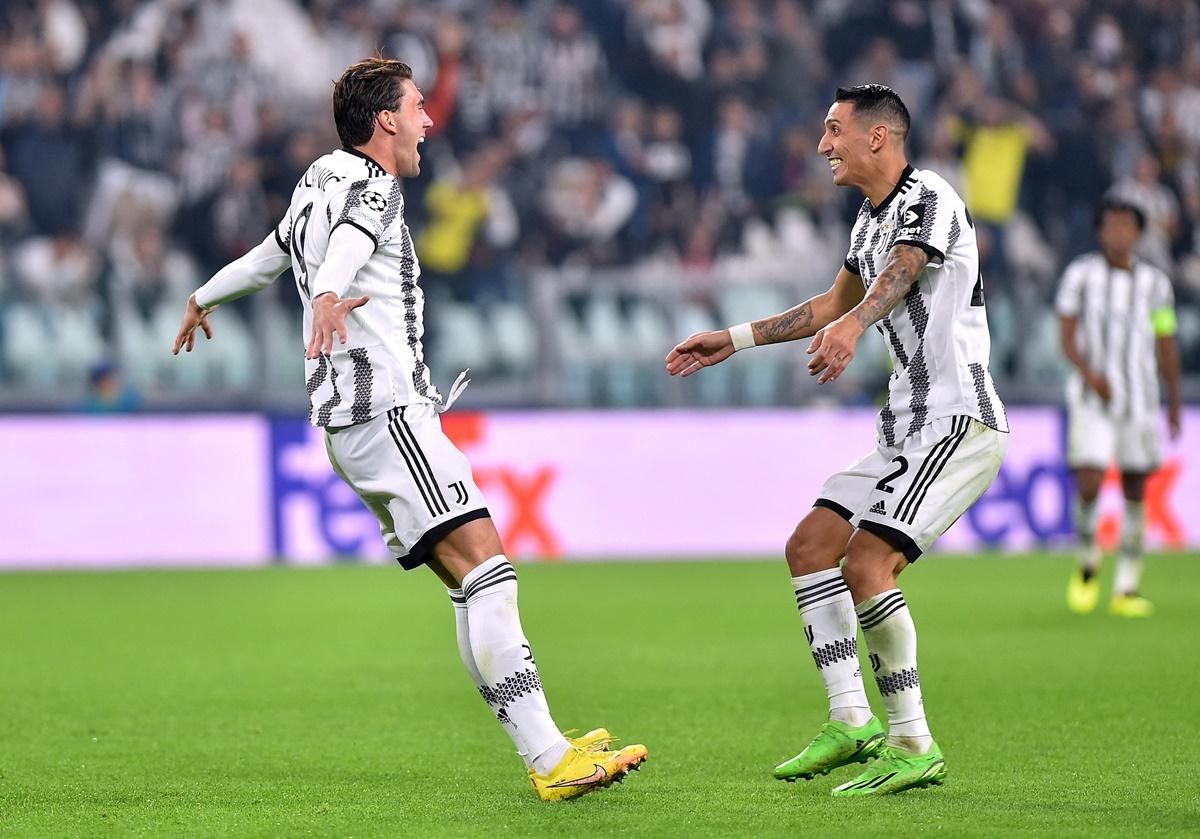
912 273
345 239
1117 319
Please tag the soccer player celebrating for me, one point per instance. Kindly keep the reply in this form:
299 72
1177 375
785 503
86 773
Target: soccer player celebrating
346 241
912 272
1116 315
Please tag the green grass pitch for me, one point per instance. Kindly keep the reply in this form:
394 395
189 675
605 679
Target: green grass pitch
331 702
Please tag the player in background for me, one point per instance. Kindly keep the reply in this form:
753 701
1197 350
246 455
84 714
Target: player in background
351 252
1117 320
912 272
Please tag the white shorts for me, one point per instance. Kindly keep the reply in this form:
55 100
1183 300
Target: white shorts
1095 439
409 474
909 494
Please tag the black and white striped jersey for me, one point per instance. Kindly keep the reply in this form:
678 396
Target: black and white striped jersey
938 334
381 365
1115 332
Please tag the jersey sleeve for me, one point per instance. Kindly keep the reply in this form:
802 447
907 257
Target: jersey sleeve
1068 302
927 220
373 205
851 260
1162 309
283 232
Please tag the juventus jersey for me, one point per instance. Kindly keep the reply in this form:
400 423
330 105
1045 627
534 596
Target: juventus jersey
381 365
938 335
1115 333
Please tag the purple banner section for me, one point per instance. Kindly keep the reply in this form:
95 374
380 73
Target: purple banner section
93 492
677 484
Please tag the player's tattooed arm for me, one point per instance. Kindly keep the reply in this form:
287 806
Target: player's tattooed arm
804 320
905 264
786 326
834 346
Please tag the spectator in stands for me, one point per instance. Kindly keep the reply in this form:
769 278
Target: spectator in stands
49 157
1158 202
471 222
108 392
996 138
134 140
572 75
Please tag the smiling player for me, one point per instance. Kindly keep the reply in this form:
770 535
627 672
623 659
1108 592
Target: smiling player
348 246
912 272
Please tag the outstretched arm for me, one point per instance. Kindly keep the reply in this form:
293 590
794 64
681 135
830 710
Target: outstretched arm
247 274
833 347
705 349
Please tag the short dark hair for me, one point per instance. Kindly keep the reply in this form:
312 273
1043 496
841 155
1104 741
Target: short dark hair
1117 204
877 103
366 88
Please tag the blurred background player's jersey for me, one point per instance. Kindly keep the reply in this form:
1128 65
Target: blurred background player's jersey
938 335
1115 310
382 364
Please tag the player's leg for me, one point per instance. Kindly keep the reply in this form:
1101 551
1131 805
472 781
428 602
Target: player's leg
1090 446
452 560
507 673
420 487
508 676
873 566
1139 453
1127 600
939 473
814 552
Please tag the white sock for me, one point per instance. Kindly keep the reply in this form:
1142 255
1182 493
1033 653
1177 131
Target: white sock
1087 516
832 632
462 630
892 641
508 675
1129 565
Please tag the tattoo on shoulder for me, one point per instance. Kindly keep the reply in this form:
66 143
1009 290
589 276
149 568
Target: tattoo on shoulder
783 327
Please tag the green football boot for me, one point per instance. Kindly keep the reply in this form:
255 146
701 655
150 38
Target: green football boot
836 744
896 771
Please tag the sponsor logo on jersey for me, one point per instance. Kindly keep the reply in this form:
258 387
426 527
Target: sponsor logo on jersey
914 218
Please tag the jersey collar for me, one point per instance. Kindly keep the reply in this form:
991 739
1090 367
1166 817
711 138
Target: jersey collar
883 205
365 157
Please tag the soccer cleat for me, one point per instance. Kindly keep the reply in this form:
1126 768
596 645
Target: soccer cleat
582 771
1082 596
895 771
836 744
596 740
1130 606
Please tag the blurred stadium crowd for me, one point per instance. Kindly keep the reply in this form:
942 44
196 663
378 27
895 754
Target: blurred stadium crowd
601 175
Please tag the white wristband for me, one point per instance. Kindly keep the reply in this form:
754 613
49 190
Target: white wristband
742 335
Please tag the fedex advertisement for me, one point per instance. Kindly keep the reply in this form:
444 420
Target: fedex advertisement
245 490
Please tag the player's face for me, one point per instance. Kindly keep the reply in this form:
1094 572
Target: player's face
412 122
1118 232
845 144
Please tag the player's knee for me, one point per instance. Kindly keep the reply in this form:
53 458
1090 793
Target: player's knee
871 567
1088 482
810 549
1133 486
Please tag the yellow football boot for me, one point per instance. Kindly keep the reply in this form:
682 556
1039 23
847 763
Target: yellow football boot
596 740
1082 596
1130 606
582 771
